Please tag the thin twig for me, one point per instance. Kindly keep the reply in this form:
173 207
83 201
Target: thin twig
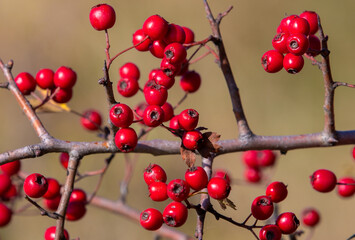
43 211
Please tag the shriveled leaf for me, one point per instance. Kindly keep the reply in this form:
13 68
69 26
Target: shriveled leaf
222 204
188 156
230 203
209 144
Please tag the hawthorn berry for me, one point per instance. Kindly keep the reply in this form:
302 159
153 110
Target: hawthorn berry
129 70
155 94
168 111
151 219
121 115
252 175
91 120
323 180
153 116
190 81
154 173
50 233
218 188
175 52
178 190
45 78
188 119
126 139
5 215
285 22
192 139
287 222
5 183
279 42
102 17
78 195
35 185
346 187
250 158
299 25
277 191
25 83
75 210
155 27
62 95
221 173
175 214
270 232
189 35
157 48
11 168
64 77
64 159
170 69
312 19
175 34
53 189
314 45
158 191
138 42
266 158
174 123
196 177
127 87
310 217
162 79
297 44
52 204
262 207
292 63
272 61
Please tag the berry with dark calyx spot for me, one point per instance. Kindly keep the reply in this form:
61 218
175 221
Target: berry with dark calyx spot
175 34
158 191
153 116
126 139
218 188
178 190
25 83
151 219
175 52
168 111
121 115
312 18
154 173
323 180
188 119
5 215
310 217
45 78
62 95
277 191
64 77
157 48
297 44
279 42
287 222
169 68
270 232
189 35
192 139
138 37
127 87
102 17
175 214
346 187
35 185
161 78
190 82
155 94
155 27
252 175
11 168
53 189
262 207
129 70
272 61
196 177
91 120
50 233
292 63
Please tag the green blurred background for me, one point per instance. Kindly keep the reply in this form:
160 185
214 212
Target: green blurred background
47 34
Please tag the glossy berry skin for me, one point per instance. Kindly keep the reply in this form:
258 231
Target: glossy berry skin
252 175
62 95
174 123
5 215
175 214
192 139
102 17
138 37
277 191
279 42
161 78
310 217
196 177
50 233
189 35
287 222
52 204
272 61
154 173
157 48
126 139
168 111
262 207
78 195
299 25
178 190
45 78
129 70
314 45
155 94
292 63
155 27
175 34
270 232
153 116
5 183
91 120
127 87
11 168
221 173
346 190
266 158
151 219
121 115
218 188
250 158
188 119
285 22
312 19
297 44
169 68
64 77
35 185
75 211
158 191
64 159
175 52
190 82
25 83
323 180
53 189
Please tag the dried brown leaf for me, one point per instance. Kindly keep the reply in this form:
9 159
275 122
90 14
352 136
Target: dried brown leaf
188 156
209 144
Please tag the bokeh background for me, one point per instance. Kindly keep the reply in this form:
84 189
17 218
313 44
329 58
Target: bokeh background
48 34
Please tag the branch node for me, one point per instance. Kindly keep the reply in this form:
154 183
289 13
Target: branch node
9 64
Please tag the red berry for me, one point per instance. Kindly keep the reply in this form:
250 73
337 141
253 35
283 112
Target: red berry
121 115
252 175
154 173
175 52
78 195
127 87
102 17
266 158
45 78
175 34
285 22
25 83
222 174
138 37
218 188
35 185
345 190
272 61
11 168
190 81
162 79
312 19
64 77
250 158
52 204
151 219
314 45
64 159
158 191
188 119
353 153
292 63
196 177
277 191
5 183
75 211
155 94
297 44
299 25
189 35
287 222
91 120
175 214
126 139
270 232
262 207
155 27
50 233
192 139
170 69
279 42
129 70
323 180
168 111
153 116
174 123
157 48
153 73
53 189
178 190
310 217
5 215
62 95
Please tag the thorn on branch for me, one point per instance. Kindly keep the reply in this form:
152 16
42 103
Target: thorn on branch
9 64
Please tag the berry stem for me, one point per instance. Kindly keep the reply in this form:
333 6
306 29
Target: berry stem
43 211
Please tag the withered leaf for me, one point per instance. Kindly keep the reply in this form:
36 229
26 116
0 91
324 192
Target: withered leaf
209 144
188 156
222 204
227 203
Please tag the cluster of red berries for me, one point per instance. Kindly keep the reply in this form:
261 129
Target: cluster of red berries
295 37
178 190
59 83
325 181
255 162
